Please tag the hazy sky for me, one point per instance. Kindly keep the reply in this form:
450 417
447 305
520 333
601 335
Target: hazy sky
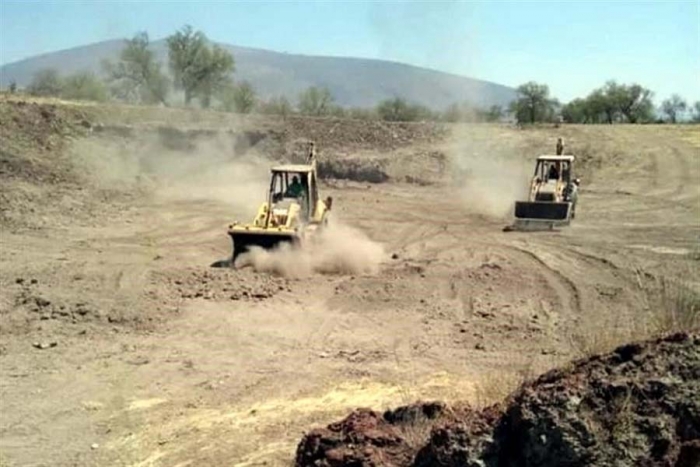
572 46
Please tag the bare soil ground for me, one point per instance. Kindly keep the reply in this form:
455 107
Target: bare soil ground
120 345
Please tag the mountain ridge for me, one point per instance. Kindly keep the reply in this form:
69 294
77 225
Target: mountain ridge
353 81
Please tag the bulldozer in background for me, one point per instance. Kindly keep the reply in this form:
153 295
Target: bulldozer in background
553 195
293 210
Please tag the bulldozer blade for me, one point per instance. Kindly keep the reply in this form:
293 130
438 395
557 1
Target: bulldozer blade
532 225
243 241
543 211
537 216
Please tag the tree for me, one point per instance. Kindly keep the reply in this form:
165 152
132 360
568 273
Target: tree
620 102
216 66
315 101
399 110
533 103
137 75
611 103
277 106
200 71
593 107
608 100
184 57
423 114
696 115
604 101
239 98
396 110
46 82
674 106
634 102
84 85
576 111
13 87
492 114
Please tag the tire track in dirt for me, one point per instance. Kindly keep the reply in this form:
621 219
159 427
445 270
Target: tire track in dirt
606 267
671 173
564 286
684 177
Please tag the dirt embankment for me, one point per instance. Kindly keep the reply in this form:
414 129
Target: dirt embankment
356 150
59 161
34 171
639 405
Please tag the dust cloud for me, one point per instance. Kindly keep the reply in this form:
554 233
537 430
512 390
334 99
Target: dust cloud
488 177
199 170
337 249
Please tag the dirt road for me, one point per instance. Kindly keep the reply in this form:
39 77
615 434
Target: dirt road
161 360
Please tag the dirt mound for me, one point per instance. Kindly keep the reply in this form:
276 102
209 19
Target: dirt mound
33 129
352 169
350 135
38 179
367 438
639 405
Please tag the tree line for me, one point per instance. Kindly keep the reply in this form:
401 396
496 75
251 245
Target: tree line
204 71
611 103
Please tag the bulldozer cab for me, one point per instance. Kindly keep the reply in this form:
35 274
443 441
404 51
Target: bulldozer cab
554 168
294 184
552 196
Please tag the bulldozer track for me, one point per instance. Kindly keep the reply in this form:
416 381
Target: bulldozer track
569 291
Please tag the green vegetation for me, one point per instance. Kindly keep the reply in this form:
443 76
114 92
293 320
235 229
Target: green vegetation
397 110
239 98
198 69
315 101
46 82
533 104
673 106
612 103
137 77
84 85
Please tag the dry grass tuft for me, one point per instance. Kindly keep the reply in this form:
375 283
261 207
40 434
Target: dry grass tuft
496 386
416 433
673 304
680 306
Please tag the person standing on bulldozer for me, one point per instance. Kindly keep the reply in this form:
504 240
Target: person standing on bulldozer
560 147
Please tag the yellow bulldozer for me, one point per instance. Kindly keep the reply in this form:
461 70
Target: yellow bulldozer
553 195
292 213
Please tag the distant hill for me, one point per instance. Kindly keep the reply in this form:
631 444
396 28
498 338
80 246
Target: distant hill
355 82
